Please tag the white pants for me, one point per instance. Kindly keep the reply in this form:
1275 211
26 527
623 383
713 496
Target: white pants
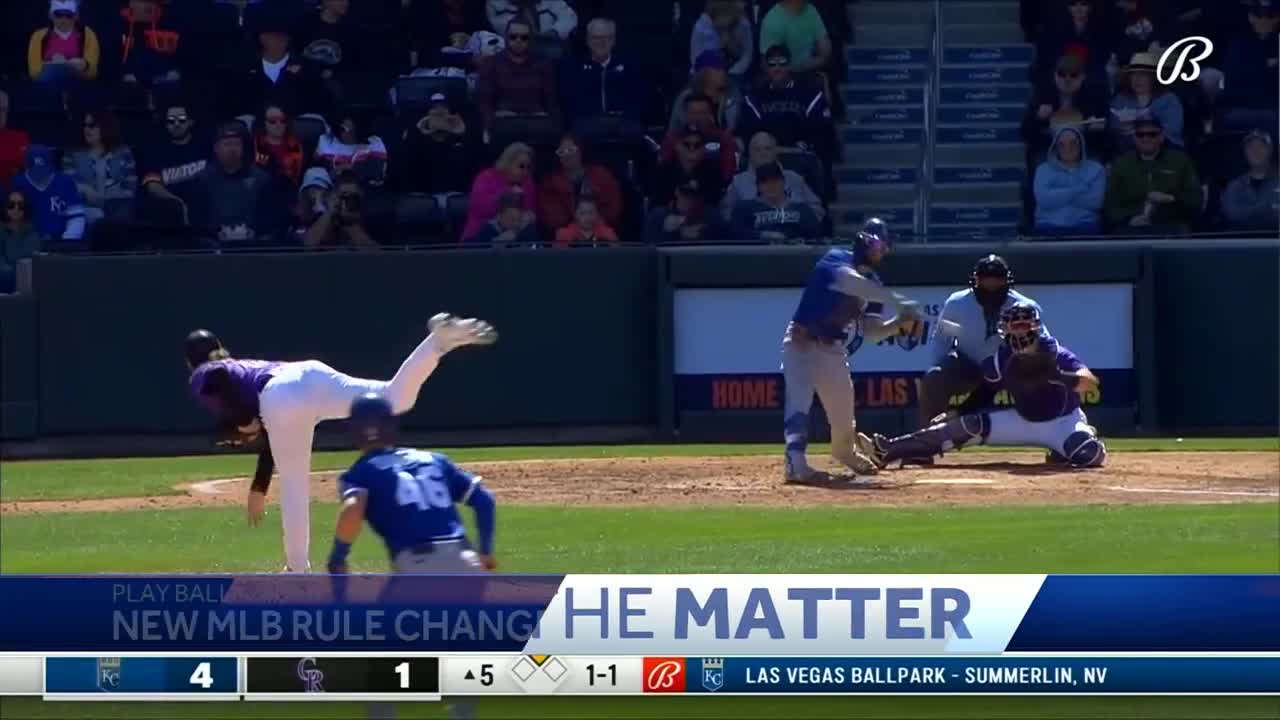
1010 428
809 367
300 396
452 557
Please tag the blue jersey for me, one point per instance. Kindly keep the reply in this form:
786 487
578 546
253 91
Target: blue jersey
411 496
1034 381
826 313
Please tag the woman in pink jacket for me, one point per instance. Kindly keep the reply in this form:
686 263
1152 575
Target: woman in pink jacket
512 171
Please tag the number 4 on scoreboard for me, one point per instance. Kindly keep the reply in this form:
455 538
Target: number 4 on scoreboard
202 676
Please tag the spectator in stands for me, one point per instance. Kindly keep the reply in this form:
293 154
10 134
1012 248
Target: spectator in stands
66 52
1252 71
515 81
686 219
104 169
771 216
600 83
350 145
722 146
341 223
544 17
725 29
18 239
794 111
311 204
797 24
435 155
1082 32
689 163
329 40
1252 201
587 228
1153 188
511 225
1070 99
277 75
151 44
279 151
170 168
763 150
13 144
440 24
1144 25
712 83
234 200
1143 97
513 171
573 179
52 197
1069 188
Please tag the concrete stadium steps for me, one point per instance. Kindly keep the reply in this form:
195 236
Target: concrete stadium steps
978 159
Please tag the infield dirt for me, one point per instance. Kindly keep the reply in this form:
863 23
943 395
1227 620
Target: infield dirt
968 478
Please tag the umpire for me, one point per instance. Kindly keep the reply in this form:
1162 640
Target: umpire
957 362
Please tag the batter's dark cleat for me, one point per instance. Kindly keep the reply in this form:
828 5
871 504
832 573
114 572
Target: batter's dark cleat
922 461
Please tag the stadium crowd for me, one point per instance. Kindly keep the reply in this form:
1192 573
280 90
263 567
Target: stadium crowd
1110 149
317 123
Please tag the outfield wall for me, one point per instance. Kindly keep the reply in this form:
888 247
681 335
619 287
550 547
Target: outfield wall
590 337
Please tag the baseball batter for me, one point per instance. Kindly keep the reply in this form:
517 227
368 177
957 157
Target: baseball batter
842 305
956 367
1043 379
282 402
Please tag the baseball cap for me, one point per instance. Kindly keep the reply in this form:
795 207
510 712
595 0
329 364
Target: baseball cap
231 129
1257 134
1148 121
39 163
63 6
767 172
316 177
1142 62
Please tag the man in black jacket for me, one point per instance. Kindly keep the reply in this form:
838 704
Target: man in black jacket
793 111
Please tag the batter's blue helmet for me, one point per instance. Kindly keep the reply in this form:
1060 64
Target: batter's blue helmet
372 420
874 235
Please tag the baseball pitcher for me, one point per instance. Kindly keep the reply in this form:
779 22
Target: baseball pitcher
1043 379
282 402
958 351
842 305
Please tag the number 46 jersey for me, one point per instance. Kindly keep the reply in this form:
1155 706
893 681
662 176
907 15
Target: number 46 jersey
411 495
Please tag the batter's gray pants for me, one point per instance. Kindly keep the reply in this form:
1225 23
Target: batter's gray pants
955 375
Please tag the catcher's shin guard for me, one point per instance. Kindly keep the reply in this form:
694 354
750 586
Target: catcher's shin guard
938 438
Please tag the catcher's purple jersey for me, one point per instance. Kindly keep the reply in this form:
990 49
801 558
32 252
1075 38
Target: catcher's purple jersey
246 380
1033 381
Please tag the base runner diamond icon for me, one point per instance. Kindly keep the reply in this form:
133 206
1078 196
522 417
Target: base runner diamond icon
523 669
555 669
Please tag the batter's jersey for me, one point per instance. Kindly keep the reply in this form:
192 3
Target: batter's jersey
411 495
235 384
978 338
826 313
1034 382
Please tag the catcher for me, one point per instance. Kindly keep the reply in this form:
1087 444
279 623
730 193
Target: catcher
1043 379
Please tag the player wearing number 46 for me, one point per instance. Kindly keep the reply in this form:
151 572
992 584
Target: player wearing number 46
281 403
1043 379
841 305
408 498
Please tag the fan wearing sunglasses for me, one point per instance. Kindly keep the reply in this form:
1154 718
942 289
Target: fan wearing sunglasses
1153 188
18 239
170 168
511 173
516 81
792 110
279 151
1067 98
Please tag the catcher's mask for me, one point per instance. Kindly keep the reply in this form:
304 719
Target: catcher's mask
1020 328
203 346
991 267
372 421
872 242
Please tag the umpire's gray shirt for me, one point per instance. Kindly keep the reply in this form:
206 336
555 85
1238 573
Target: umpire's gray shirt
978 338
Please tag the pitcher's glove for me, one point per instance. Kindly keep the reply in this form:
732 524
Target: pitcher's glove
234 436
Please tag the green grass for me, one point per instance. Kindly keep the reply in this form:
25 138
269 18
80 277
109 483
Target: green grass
145 477
704 708
1106 539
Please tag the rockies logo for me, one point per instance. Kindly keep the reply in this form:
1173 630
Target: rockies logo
312 677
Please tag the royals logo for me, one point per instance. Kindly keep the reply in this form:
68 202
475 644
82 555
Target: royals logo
712 674
108 674
312 677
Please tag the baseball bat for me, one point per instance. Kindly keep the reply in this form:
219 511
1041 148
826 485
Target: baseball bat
949 328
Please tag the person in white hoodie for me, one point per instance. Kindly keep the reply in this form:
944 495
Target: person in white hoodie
548 17
1069 188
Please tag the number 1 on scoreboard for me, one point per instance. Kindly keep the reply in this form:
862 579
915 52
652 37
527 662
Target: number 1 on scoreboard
403 671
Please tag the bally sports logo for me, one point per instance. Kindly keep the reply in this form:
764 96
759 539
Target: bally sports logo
664 675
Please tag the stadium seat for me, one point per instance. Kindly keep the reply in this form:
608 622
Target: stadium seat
536 130
309 128
413 92
419 217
